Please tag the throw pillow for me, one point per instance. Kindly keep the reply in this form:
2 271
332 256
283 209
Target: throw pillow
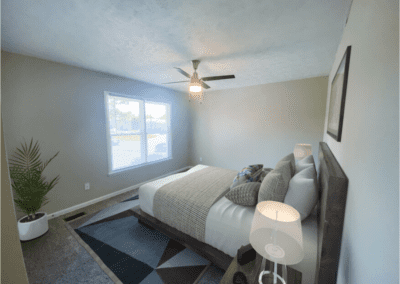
245 194
285 168
302 192
251 173
273 187
264 173
292 161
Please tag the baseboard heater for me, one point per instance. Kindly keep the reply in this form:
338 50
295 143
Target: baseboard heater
73 217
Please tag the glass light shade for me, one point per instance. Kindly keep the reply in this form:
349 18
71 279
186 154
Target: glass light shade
301 151
195 89
199 96
276 232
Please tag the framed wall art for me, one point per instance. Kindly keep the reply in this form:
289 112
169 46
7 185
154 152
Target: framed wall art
338 97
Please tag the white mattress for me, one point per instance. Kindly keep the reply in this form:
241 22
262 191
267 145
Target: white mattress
228 225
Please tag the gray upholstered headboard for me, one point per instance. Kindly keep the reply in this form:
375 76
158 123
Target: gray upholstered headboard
331 209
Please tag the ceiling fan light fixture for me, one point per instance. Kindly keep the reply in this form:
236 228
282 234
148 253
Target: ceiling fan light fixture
199 97
195 88
196 85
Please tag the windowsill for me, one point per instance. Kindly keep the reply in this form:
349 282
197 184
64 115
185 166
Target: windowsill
116 172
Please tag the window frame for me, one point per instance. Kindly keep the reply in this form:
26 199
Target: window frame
143 134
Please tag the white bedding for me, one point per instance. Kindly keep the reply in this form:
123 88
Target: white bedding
228 225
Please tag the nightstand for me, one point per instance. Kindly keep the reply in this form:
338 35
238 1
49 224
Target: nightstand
252 271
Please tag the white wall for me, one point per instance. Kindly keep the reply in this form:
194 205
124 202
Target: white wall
63 107
259 124
369 150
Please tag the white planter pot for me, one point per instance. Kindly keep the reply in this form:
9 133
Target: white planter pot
31 230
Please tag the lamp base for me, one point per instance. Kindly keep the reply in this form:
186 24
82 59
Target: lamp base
272 274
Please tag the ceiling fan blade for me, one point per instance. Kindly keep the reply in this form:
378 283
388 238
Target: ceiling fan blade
176 82
213 78
205 86
182 72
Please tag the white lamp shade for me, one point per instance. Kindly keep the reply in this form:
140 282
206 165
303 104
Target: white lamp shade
301 151
270 218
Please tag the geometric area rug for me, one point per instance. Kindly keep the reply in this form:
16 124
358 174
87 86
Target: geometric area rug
137 254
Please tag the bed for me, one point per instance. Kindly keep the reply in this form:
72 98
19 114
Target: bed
227 225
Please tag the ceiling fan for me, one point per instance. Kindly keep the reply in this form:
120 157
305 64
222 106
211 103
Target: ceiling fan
197 84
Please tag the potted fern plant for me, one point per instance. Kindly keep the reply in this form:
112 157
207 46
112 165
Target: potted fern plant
30 187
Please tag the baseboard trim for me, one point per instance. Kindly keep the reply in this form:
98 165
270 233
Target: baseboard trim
93 201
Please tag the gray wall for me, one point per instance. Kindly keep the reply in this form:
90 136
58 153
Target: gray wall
369 150
12 260
259 124
63 107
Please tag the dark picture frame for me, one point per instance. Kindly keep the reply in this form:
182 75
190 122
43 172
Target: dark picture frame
338 97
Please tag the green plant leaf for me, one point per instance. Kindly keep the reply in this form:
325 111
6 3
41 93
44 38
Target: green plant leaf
46 163
27 180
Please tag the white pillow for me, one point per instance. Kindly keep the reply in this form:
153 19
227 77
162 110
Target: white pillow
307 160
305 163
308 172
302 193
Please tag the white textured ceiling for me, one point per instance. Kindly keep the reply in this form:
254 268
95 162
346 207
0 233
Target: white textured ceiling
257 41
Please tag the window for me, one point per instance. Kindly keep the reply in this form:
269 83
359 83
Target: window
138 131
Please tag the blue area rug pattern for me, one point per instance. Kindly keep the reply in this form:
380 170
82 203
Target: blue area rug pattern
137 254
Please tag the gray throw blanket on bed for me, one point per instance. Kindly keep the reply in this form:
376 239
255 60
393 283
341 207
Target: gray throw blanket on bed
184 203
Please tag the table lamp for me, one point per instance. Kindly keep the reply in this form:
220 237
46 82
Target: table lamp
277 236
301 151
